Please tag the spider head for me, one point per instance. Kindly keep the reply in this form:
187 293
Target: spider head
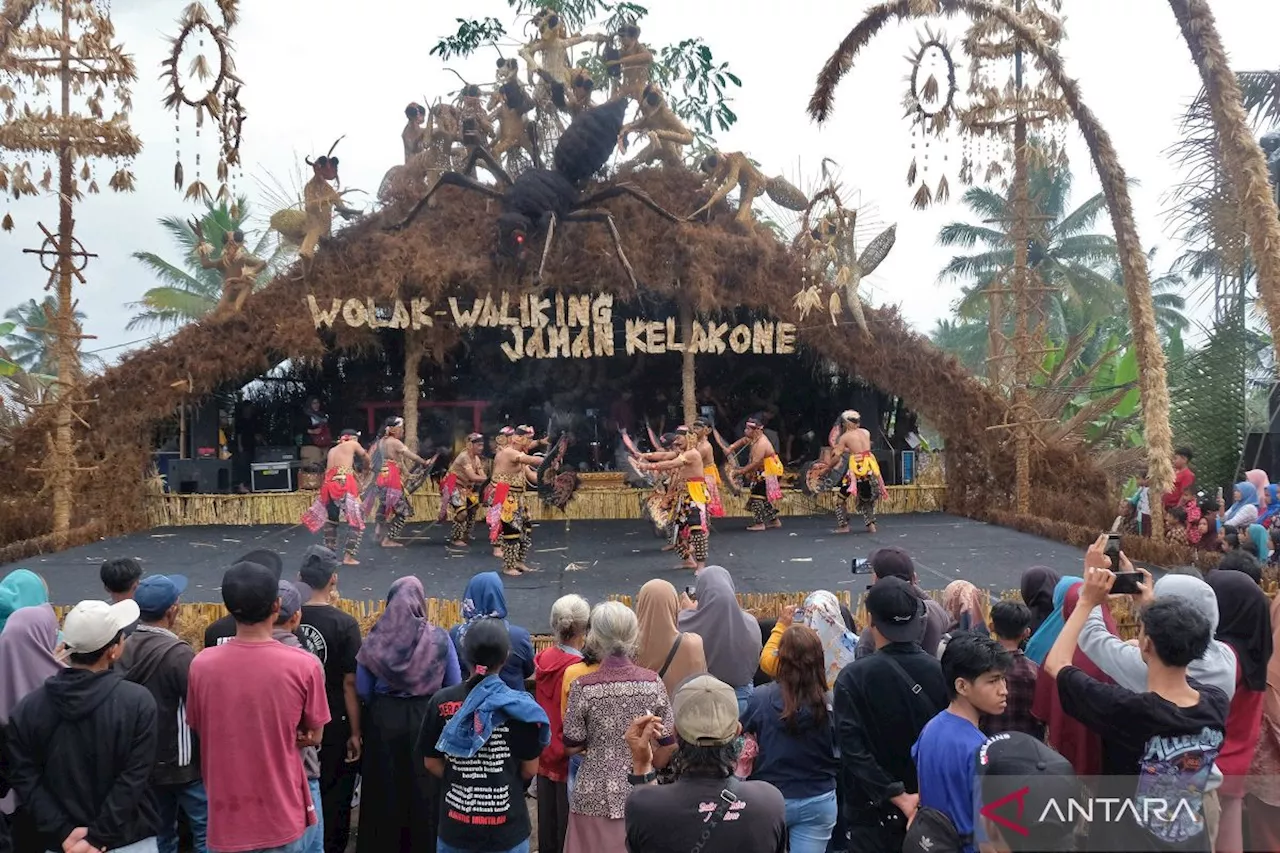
514 232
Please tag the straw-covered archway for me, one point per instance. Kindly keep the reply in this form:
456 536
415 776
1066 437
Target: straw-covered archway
446 252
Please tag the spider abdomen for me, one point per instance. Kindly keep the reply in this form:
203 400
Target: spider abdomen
537 192
586 144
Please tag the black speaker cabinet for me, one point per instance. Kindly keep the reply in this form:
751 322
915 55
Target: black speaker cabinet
199 476
202 431
888 467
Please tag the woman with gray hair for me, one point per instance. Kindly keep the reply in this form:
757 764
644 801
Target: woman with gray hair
602 705
569 617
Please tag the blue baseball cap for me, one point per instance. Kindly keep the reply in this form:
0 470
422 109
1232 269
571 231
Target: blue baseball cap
157 593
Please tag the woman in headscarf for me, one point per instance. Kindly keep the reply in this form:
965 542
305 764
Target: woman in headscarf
1271 505
1071 738
569 617
402 663
963 603
1246 627
821 612
730 637
1043 638
26 661
1038 583
1244 508
485 598
1263 783
1259 480
1261 542
664 648
21 588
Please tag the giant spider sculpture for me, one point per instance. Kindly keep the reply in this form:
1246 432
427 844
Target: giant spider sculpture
539 198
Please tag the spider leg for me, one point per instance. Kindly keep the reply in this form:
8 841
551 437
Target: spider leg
628 190
546 246
453 179
479 152
606 217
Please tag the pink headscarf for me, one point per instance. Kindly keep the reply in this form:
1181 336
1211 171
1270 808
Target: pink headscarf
1260 481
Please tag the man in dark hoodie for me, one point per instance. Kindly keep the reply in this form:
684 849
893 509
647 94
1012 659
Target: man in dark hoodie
82 746
159 660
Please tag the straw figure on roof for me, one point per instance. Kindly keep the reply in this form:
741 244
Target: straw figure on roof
239 269
667 135
547 59
629 64
320 201
510 106
539 198
725 171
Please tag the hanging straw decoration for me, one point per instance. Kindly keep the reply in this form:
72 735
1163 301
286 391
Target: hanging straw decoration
219 101
930 104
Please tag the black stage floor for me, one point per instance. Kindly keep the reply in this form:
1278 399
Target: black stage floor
593 558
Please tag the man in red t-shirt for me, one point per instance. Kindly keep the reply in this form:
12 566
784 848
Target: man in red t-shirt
1183 477
254 701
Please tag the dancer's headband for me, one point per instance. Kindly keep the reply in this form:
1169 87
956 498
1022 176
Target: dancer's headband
524 430
474 437
506 430
682 430
752 423
850 416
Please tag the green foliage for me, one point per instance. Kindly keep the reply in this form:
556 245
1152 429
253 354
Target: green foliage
188 291
7 367
470 37
29 341
698 88
1208 392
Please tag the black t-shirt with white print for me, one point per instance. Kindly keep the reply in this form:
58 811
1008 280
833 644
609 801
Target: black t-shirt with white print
482 798
1153 753
333 636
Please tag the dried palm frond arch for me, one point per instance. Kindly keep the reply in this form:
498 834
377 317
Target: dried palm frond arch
1246 165
714 267
1152 380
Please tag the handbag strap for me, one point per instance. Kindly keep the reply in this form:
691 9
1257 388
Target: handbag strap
914 685
671 655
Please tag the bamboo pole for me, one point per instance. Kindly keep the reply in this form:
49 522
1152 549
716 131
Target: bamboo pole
688 376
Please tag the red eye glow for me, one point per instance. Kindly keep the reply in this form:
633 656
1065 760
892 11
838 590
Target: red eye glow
519 238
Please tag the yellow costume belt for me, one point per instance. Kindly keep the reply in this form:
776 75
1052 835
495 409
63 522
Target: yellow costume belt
773 466
698 491
712 473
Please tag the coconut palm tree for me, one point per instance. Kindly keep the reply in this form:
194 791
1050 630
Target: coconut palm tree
188 291
1062 253
29 340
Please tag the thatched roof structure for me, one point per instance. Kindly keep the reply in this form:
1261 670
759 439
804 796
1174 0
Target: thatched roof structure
446 252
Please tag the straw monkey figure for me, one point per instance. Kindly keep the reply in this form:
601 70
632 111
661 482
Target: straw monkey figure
510 105
414 135
578 97
628 64
547 59
725 171
667 135
320 200
238 267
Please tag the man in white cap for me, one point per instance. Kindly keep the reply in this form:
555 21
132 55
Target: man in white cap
861 478
707 808
83 745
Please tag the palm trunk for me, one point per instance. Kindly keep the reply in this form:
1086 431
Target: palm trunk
995 334
1246 165
414 350
688 377
1152 382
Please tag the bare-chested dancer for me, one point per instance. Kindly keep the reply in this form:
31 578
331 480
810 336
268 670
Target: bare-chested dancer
691 497
493 510
510 479
862 476
458 492
715 506
340 496
661 502
391 461
762 472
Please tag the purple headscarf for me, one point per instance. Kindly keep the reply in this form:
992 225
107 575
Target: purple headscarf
26 654
404 650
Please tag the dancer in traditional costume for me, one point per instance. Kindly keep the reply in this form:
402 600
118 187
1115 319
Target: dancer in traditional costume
508 511
459 491
391 460
715 506
340 497
690 487
762 473
492 510
659 505
861 477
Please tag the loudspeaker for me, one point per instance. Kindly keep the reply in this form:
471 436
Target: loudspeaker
199 476
888 466
202 430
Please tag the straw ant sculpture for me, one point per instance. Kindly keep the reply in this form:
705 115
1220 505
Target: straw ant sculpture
539 198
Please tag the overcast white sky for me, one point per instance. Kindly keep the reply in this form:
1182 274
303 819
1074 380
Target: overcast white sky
317 69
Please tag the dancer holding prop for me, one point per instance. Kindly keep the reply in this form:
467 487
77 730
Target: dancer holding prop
659 505
458 491
860 476
715 506
691 498
762 473
511 479
493 513
390 462
339 496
